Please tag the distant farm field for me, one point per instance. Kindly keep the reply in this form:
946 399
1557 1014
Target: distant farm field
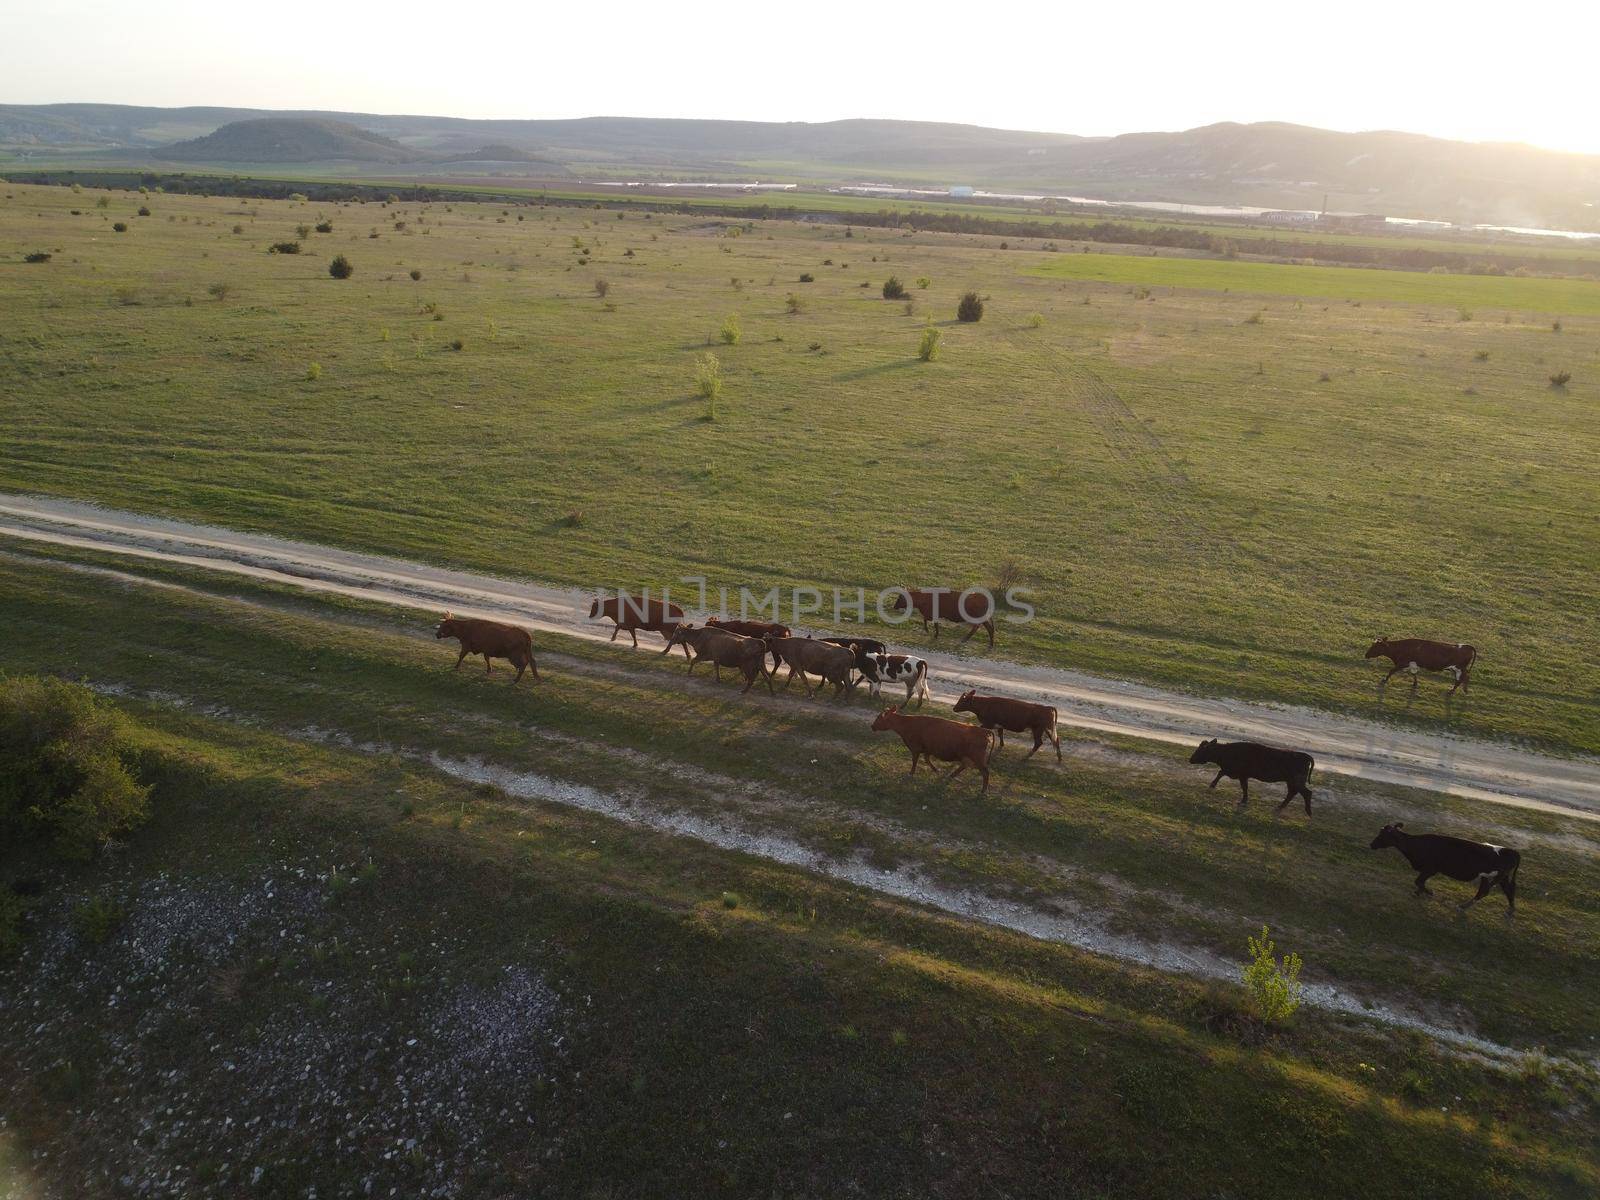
1498 292
1227 491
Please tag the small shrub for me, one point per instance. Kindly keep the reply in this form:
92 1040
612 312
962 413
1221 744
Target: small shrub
1463 314
893 289
313 371
219 290
1481 356
807 277
458 344
793 303
1560 379
1274 988
1555 326
37 256
302 232
971 308
325 227
341 268
928 350
923 282
143 211
1035 320
415 274
601 287
238 229
96 919
284 248
120 227
814 346
573 519
730 333
66 772
708 379
103 202
1259 317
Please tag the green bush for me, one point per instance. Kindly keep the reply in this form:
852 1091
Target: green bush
1274 988
708 381
325 227
923 282
341 268
893 289
65 768
37 256
1560 379
119 227
730 330
929 349
415 274
284 248
971 308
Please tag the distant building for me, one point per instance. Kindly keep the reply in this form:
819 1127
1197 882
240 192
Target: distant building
1287 217
961 191
1353 222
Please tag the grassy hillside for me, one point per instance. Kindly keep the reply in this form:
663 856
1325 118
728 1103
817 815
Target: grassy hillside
631 1011
288 140
1206 488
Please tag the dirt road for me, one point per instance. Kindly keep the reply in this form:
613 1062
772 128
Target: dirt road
1342 745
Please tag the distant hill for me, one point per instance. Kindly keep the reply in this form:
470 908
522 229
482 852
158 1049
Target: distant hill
288 140
1270 164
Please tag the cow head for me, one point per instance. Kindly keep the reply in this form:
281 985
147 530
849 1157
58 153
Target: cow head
965 703
881 721
1381 646
1386 836
1204 752
679 635
901 599
445 627
594 608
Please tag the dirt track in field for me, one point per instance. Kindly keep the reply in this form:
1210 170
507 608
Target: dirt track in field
1343 745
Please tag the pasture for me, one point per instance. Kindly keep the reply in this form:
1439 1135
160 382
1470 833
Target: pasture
822 1036
1230 491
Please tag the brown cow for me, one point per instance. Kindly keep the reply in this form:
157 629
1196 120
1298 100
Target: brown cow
1413 655
657 616
492 640
724 649
940 738
973 608
755 629
1000 714
836 664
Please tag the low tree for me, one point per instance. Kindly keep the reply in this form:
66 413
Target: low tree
929 349
66 768
341 268
893 289
971 308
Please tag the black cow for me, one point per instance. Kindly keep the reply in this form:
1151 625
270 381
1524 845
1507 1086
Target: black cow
1433 854
1245 761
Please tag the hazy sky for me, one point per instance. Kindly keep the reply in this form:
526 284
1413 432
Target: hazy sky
1460 70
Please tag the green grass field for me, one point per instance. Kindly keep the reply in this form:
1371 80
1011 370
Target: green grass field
742 1027
1557 297
1206 489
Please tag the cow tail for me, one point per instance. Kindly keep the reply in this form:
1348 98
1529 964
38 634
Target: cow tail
922 678
1311 768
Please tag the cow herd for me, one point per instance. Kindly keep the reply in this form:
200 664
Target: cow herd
844 663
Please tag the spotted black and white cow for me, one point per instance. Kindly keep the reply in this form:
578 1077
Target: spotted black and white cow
1433 854
879 669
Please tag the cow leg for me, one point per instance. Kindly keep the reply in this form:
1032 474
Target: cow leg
614 633
533 665
935 629
487 665
1386 678
1214 782
520 669
1244 791
634 634
1055 736
1485 886
1456 671
1508 885
914 755
459 660
989 625
716 664
1001 730
971 629
960 767
1422 883
983 769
